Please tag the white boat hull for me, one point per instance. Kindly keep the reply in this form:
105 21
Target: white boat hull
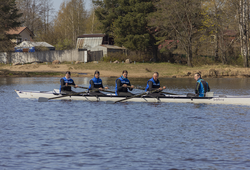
237 100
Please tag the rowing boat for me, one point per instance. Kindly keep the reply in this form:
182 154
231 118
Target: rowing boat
211 99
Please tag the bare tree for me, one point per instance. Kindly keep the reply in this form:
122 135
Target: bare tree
182 19
46 10
70 21
244 29
31 16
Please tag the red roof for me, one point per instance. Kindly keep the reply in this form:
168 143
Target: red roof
229 32
18 30
168 44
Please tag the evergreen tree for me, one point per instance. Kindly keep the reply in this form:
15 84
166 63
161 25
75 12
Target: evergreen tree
106 12
8 20
127 22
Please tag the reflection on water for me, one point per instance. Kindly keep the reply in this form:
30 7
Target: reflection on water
96 135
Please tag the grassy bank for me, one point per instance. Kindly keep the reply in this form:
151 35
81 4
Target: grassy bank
143 70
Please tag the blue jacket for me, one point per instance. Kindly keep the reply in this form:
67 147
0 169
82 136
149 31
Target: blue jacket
63 81
155 85
123 81
201 87
97 83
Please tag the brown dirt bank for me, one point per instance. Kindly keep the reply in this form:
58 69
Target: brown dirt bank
138 70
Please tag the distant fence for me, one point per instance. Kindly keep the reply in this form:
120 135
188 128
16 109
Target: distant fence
49 56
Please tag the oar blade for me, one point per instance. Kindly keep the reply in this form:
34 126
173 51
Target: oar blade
42 99
110 102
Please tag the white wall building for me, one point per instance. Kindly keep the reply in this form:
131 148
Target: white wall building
97 42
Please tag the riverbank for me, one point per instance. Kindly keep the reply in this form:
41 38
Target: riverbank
137 70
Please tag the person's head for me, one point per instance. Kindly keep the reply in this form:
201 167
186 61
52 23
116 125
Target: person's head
67 74
155 76
197 76
97 74
125 73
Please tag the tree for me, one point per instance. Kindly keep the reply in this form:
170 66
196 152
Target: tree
34 14
92 23
46 9
106 12
218 16
243 12
70 21
127 22
180 19
8 20
131 29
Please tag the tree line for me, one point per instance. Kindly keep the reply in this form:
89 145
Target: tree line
215 28
57 28
199 29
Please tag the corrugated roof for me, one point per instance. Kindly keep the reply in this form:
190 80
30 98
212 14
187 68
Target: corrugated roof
113 47
88 42
44 44
28 44
91 35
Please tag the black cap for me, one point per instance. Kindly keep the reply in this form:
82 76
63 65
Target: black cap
97 72
68 72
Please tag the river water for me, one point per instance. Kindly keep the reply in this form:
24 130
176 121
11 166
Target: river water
58 135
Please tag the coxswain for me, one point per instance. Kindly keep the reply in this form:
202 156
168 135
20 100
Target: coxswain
122 84
153 84
95 84
66 83
201 86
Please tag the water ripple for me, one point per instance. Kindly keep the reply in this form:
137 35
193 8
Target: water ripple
94 135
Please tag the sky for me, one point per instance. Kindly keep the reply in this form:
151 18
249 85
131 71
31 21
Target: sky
57 4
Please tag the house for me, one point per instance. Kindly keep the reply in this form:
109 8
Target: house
23 34
28 46
97 42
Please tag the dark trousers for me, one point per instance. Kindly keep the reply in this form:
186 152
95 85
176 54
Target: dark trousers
96 94
125 94
64 92
155 95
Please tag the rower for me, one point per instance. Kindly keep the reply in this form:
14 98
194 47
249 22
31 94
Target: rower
96 85
201 86
66 81
154 84
122 84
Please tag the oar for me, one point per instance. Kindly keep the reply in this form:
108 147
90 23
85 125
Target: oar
168 93
93 90
161 91
44 99
138 95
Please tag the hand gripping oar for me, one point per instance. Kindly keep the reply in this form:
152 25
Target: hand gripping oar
161 91
44 99
138 95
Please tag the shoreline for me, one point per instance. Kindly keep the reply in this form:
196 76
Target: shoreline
111 70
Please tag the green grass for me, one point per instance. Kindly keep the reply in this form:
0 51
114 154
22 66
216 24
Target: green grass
5 72
138 70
